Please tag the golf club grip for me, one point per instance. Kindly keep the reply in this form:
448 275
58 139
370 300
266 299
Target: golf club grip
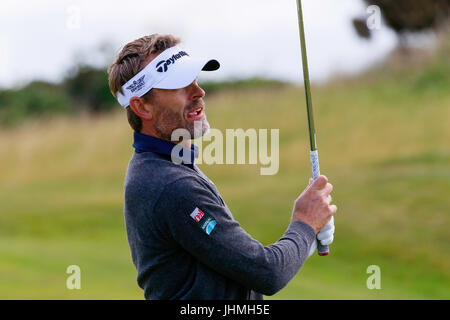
314 156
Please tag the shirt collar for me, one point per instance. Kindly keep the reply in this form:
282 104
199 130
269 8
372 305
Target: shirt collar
145 143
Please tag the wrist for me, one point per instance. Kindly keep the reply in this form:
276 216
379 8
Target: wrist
316 229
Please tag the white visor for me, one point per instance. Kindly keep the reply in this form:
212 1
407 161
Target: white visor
171 69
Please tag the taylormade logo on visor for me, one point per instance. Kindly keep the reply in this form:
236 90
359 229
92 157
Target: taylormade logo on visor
163 64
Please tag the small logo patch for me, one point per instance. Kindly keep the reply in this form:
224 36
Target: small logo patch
137 84
197 214
209 226
205 221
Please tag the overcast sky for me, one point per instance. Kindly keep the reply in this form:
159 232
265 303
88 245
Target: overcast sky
42 39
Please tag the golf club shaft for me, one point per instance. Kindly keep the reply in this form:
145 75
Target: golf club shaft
314 157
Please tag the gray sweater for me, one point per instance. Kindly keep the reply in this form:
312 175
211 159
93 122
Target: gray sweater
185 243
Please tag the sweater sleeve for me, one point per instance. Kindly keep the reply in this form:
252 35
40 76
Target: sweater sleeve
195 218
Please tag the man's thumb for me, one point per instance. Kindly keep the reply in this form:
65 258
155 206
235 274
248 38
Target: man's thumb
320 182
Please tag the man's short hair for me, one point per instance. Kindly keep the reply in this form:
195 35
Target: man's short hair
132 59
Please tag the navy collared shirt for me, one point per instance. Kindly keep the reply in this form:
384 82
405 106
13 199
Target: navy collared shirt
145 143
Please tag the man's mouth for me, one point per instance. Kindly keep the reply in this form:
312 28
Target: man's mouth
196 114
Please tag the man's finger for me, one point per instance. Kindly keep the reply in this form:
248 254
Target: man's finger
327 190
333 209
320 182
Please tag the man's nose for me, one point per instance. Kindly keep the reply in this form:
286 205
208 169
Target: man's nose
197 92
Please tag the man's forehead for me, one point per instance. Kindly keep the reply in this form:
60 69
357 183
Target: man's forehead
173 90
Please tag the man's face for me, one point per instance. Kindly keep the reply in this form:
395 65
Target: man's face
179 108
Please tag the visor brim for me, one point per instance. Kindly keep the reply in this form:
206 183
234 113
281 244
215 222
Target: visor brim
186 73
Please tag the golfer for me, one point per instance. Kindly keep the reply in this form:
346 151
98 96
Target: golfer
183 238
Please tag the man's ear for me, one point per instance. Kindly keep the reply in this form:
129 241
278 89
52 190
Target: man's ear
140 108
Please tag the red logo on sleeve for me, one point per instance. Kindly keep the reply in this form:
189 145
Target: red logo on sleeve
197 214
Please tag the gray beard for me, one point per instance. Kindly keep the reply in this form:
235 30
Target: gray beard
196 130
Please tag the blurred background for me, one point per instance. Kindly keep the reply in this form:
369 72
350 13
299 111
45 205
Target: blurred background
380 72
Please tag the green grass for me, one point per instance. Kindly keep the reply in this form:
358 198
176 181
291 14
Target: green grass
383 142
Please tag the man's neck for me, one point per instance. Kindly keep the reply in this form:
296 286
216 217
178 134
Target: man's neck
184 143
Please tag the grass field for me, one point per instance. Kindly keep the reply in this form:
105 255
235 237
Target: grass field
384 143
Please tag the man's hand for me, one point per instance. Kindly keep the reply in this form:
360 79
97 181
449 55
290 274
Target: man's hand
313 206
